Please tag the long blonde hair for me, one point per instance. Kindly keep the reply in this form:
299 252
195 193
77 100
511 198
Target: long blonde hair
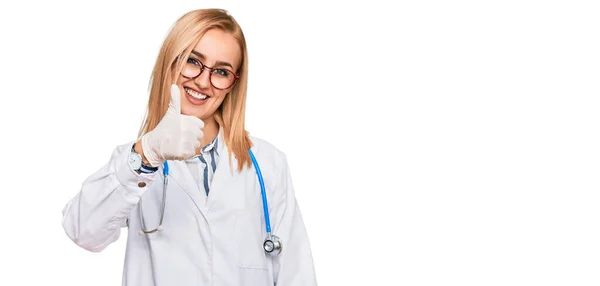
181 39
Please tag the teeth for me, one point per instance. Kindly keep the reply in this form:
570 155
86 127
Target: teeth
195 94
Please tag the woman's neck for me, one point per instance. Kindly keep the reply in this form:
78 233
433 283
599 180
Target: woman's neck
210 130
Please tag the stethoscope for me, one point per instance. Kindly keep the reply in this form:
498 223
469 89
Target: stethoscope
272 244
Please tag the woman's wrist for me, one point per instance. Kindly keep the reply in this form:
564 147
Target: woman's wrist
138 148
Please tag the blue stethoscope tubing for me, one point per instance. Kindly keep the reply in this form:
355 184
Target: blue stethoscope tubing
272 244
262 192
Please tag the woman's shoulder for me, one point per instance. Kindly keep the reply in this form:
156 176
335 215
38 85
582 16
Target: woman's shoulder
268 151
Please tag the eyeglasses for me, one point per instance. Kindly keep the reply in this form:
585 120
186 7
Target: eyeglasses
220 78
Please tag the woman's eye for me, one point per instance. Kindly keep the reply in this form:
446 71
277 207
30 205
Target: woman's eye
193 61
222 72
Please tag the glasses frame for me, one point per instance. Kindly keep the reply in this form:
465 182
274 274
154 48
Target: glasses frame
211 70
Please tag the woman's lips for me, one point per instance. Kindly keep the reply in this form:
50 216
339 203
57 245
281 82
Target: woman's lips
196 97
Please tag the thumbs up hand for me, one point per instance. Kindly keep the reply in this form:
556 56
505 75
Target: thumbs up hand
176 137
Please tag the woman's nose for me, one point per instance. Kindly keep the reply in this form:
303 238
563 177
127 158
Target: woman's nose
203 79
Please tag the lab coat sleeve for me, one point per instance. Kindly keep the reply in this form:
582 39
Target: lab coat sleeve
294 265
93 218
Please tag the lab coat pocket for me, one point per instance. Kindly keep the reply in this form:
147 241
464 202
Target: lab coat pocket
248 238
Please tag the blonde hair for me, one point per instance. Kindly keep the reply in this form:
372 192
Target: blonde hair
177 46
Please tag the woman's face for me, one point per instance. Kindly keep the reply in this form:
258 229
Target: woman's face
203 89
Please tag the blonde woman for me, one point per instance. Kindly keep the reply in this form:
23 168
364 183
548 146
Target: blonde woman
203 202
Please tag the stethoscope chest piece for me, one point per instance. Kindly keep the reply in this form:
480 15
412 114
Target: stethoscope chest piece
272 245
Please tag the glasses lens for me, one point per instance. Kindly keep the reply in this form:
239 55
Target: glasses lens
192 68
222 78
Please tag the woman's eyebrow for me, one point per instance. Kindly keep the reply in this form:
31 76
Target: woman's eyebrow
218 63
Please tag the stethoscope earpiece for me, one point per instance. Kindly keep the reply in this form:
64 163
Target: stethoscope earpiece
157 229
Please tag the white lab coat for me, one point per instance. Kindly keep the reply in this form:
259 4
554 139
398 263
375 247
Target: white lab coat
206 240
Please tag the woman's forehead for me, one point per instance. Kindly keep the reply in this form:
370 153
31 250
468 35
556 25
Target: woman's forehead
218 46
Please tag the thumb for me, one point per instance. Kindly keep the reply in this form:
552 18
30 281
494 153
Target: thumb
175 103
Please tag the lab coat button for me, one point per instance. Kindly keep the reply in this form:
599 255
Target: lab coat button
141 184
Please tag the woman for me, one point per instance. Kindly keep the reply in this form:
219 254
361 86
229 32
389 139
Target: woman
194 155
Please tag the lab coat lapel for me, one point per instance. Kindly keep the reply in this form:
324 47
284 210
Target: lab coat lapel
180 173
226 179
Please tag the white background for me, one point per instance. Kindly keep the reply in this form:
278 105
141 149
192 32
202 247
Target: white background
438 143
